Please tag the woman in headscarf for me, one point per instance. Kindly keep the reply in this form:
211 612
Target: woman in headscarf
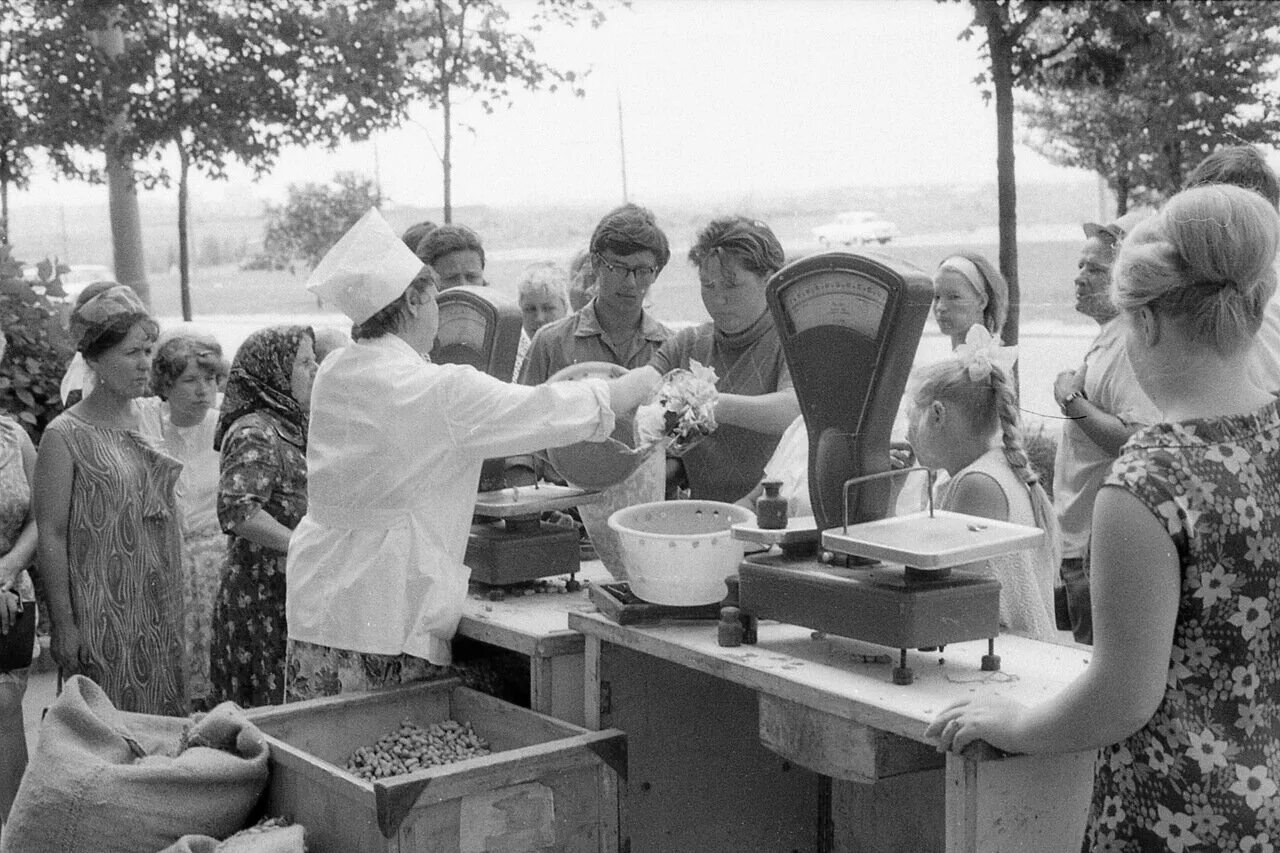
110 536
967 291
186 372
376 578
735 257
262 494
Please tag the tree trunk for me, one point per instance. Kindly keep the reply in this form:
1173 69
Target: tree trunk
1122 195
4 211
184 255
122 189
1006 188
126 225
446 161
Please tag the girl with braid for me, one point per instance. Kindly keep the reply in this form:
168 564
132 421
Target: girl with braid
964 419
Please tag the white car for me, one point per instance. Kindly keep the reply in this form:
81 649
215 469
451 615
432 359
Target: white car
83 275
856 227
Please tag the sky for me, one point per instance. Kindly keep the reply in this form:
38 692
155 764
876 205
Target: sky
718 98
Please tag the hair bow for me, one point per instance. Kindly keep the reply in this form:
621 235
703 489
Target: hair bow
980 351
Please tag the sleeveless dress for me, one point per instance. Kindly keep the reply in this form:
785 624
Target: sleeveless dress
1202 773
204 545
124 564
1026 577
15 509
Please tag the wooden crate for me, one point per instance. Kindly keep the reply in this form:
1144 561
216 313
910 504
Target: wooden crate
548 786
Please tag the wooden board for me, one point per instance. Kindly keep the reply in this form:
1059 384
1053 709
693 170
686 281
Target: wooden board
619 603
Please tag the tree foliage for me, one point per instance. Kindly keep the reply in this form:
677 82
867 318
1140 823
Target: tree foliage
19 131
215 80
1156 86
38 349
459 48
314 216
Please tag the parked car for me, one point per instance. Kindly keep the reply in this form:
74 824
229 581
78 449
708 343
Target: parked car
856 227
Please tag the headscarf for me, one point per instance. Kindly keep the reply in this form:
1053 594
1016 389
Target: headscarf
103 312
261 380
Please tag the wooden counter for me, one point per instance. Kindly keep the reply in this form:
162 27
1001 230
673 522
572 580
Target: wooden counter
715 734
537 626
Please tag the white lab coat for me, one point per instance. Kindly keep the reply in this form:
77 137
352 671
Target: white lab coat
393 461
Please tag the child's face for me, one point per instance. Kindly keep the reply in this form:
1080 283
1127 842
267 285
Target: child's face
923 432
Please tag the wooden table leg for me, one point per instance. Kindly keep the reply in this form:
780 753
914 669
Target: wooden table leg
1017 804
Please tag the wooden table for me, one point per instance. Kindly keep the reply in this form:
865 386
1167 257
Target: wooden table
799 743
537 627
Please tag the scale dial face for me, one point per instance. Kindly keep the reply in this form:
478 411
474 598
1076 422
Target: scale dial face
463 325
835 299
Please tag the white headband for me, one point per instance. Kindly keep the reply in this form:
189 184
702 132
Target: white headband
969 271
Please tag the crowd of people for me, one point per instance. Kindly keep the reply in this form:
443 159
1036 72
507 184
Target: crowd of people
293 523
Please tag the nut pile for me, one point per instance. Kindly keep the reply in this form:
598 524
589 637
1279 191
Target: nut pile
411 748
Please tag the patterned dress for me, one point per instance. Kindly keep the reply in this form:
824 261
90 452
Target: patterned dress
262 469
1202 773
124 564
15 509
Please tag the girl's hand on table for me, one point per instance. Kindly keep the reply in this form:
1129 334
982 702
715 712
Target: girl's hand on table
993 719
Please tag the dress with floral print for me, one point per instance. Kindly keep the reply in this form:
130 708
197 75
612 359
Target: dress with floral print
1202 774
261 470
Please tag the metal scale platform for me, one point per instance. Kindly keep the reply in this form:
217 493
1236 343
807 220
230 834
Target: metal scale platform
850 325
509 543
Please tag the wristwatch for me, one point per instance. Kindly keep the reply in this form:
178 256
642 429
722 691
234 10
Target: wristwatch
1071 398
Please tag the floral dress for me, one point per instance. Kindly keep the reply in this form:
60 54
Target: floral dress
15 509
1202 773
262 469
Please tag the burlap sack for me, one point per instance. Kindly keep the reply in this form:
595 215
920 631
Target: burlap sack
107 781
284 839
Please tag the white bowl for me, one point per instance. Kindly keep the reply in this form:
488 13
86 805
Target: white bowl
679 552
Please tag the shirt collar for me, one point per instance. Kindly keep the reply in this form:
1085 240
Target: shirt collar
589 325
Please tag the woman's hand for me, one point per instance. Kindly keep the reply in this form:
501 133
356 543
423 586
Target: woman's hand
901 455
68 649
993 719
10 607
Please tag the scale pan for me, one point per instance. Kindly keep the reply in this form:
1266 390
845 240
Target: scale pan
596 465
931 542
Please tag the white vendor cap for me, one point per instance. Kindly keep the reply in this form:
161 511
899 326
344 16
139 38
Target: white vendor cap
366 270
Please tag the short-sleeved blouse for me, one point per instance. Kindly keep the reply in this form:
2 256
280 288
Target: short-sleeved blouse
261 470
1202 774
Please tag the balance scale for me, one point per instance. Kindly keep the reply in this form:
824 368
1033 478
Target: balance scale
850 325
509 543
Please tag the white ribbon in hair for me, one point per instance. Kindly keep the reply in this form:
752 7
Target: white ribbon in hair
980 351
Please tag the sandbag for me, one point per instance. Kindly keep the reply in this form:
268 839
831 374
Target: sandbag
108 781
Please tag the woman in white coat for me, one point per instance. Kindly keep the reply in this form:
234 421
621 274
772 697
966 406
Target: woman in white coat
376 580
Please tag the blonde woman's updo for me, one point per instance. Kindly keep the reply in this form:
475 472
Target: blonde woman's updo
1207 259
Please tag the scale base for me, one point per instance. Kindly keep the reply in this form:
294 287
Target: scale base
499 556
880 604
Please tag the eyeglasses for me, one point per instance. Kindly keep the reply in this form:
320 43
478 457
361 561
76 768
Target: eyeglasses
642 275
